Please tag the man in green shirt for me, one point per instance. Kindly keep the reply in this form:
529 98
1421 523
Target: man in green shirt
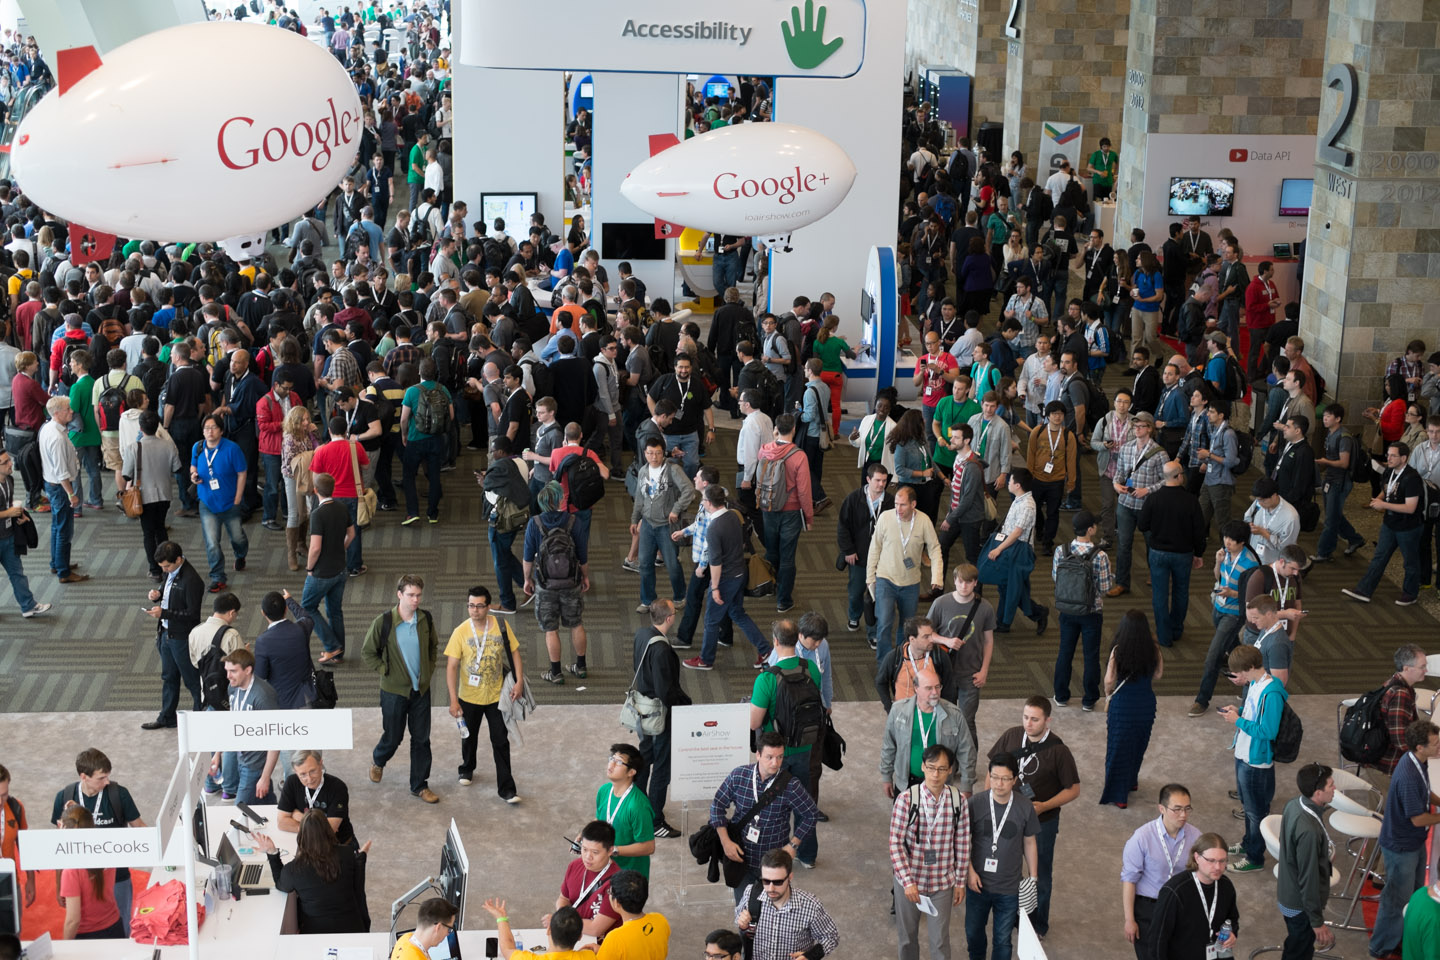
628 810
87 437
763 697
415 171
952 411
1101 168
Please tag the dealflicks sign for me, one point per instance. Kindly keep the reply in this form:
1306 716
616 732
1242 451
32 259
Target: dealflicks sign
790 38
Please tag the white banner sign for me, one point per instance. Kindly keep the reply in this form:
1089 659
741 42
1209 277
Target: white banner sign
801 38
271 730
95 847
1059 141
707 741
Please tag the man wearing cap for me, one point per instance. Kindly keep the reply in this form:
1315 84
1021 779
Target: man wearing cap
1216 342
1139 471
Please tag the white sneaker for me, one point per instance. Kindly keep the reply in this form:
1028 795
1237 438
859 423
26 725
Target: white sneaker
464 781
512 800
36 610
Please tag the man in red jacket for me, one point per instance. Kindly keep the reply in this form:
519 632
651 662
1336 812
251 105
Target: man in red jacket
1261 299
784 521
270 413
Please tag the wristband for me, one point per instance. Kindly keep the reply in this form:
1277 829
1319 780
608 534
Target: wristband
502 919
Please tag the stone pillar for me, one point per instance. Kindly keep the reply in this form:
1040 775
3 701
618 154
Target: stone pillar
1372 268
968 35
1067 65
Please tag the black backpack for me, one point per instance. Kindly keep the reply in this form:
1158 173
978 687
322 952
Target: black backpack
1289 736
582 475
959 167
1075 583
214 686
353 239
1234 379
799 710
1364 738
420 228
540 378
67 375
772 391
1244 451
497 253
112 403
557 565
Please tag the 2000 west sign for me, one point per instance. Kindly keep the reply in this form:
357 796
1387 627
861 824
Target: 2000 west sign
788 38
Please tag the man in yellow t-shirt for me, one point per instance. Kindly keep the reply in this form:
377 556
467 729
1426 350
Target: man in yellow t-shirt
640 936
561 934
480 652
436 920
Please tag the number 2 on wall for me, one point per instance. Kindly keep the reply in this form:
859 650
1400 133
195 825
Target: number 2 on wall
1011 29
1341 75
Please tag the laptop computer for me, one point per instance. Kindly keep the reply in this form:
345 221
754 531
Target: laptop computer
248 876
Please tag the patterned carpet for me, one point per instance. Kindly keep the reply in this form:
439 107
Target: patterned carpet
96 650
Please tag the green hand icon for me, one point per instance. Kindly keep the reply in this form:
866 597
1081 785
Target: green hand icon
805 44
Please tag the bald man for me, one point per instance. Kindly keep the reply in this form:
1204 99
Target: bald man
239 396
1175 531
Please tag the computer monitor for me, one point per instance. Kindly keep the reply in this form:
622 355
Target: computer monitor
515 208
1296 197
587 91
454 871
1283 250
630 241
717 91
9 898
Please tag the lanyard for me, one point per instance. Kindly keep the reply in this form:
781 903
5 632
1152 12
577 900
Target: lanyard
243 697
875 506
310 798
1283 586
877 433
210 456
94 814
914 669
610 811
1227 569
1054 444
1170 862
1323 833
585 891
980 444
1117 427
1286 452
684 390
350 417
478 643
1208 907
1166 398
920 722
997 826
1031 755
1261 639
1409 753
235 383
755 780
1392 483
909 531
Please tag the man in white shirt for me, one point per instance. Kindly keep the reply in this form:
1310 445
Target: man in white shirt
1057 182
60 465
1274 523
756 431
1031 383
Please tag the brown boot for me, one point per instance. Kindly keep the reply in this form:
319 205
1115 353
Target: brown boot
292 539
302 543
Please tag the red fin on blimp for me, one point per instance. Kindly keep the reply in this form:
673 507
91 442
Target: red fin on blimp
72 65
665 230
87 245
662 141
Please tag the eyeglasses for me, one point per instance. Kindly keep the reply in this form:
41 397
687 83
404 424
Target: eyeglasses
1185 809
1219 863
936 768
717 956
620 760
769 882
477 606
995 779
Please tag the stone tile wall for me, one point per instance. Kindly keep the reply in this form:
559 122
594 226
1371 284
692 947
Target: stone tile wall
968 35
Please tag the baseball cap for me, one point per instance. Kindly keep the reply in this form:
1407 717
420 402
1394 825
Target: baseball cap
1143 417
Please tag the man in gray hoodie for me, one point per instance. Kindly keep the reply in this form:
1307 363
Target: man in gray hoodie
662 494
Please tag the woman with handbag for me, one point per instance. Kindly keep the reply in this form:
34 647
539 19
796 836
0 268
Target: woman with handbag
297 448
147 472
1010 558
1135 661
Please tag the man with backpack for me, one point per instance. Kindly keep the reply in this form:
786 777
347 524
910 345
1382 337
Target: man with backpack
1081 572
581 474
402 645
108 402
787 699
1175 531
557 574
726 568
426 413
1385 713
930 852
177 613
111 807
1232 562
692 408
1256 729
782 492
1217 463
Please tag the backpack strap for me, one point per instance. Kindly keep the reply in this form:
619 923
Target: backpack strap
219 635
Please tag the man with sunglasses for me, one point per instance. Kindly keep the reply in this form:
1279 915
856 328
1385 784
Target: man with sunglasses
784 920
1154 853
433 925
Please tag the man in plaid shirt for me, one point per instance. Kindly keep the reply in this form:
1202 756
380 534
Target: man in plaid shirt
1139 469
1084 627
1197 438
790 922
930 853
1398 707
699 590
770 828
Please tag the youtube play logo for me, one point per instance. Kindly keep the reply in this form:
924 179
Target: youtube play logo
1239 155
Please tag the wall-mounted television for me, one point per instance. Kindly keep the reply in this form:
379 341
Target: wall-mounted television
587 91
1202 196
1296 197
717 91
630 241
515 208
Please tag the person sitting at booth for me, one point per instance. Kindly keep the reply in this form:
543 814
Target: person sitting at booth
327 877
309 787
436 920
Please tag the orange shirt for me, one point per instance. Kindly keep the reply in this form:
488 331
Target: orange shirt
574 311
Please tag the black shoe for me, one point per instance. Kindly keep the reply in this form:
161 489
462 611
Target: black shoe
1002 628
666 832
156 725
682 646
387 507
271 525
1350 550
854 625
725 643
239 563
821 816
1042 620
871 643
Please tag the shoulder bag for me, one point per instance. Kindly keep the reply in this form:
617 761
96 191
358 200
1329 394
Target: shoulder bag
642 715
366 503
132 501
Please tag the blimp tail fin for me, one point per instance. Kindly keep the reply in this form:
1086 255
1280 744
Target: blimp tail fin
665 230
662 141
72 65
87 245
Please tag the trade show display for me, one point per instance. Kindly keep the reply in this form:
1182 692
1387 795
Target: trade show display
880 361
1202 196
514 208
1296 197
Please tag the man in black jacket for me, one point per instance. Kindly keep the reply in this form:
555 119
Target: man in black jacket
1145 387
900 673
657 675
282 651
1038 209
1294 471
858 513
732 322
177 612
1173 271
1175 531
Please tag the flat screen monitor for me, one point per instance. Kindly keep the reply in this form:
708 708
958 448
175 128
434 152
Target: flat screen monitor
1283 250
1202 196
515 208
454 871
9 898
630 241
587 91
717 91
1295 197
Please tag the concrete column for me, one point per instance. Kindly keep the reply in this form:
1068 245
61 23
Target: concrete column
968 35
1372 269
1067 65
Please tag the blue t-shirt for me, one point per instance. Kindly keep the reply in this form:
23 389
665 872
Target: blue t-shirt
1409 796
223 464
1215 370
537 526
162 318
407 637
1231 569
565 260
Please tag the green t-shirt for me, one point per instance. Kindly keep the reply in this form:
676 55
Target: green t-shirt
417 158
832 354
949 415
81 401
921 736
763 693
1104 171
999 227
633 819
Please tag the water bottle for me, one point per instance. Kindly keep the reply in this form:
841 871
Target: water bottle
464 728
1222 940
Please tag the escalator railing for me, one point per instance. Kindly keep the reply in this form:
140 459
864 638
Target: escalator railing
24 101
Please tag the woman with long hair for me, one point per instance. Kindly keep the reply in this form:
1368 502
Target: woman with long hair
1194 904
1015 171
1147 296
1389 421
832 349
1414 434
1118 286
326 876
1135 660
910 447
298 437
88 892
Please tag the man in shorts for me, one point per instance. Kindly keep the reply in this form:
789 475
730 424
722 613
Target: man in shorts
557 578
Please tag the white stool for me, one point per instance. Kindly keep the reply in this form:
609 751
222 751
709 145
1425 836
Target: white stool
1270 831
1347 783
1425 701
1366 828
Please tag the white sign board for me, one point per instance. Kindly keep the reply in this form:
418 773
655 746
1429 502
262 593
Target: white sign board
707 741
802 38
95 847
1059 141
270 730
193 767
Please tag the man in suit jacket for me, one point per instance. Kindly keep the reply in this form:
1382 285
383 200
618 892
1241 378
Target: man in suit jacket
1038 210
1145 387
177 612
282 651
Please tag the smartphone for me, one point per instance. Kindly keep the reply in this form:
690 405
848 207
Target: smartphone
145 609
492 947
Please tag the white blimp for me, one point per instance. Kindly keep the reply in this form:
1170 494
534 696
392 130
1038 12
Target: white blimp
756 179
277 126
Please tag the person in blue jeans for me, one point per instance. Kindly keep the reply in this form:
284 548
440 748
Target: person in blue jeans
424 432
1003 831
1403 835
249 692
217 468
727 569
60 466
503 479
1337 477
1255 731
1083 628
763 698
783 522
331 531
1402 493
11 517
